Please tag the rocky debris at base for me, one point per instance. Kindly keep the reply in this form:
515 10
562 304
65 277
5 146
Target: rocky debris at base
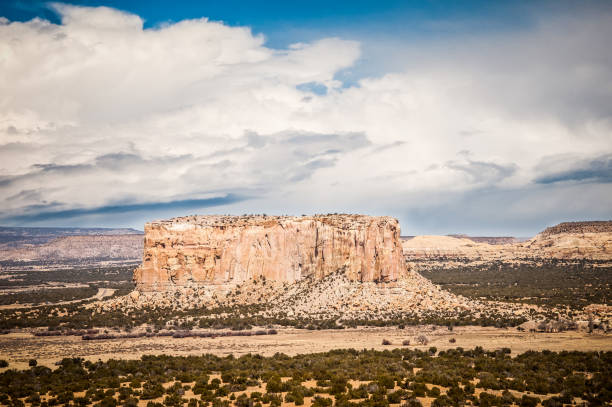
332 297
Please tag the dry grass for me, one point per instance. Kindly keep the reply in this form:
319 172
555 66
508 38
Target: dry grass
18 348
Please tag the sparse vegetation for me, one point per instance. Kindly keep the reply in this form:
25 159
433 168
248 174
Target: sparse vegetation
554 283
341 377
51 286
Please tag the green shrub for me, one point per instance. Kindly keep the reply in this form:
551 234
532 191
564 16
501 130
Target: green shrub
319 401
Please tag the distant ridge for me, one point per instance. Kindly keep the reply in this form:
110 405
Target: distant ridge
597 226
481 239
488 239
15 237
79 249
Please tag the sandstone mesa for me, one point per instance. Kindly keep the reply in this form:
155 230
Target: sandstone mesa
217 250
322 266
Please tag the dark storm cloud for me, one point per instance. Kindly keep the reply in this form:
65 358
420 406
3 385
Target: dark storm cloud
278 159
596 170
46 215
113 162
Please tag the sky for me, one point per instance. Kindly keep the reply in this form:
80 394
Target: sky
477 117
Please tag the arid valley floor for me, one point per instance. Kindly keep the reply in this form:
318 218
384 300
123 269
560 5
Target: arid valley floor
19 348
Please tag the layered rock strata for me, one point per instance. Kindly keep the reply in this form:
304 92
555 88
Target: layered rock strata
221 250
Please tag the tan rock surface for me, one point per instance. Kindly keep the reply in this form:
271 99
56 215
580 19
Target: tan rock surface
568 241
437 246
218 250
588 245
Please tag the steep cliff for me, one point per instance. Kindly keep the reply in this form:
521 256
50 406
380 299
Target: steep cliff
215 250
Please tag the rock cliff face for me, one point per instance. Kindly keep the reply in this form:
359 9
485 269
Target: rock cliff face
216 250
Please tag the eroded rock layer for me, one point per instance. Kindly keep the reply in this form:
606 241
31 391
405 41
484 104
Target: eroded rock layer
209 250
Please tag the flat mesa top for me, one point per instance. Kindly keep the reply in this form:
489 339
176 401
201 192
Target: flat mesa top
226 220
597 226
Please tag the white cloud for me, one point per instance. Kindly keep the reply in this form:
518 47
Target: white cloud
99 111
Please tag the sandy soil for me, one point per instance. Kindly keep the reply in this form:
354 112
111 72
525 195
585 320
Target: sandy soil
18 348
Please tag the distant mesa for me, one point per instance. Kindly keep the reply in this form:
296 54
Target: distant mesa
15 237
323 266
482 239
565 241
70 245
600 226
490 239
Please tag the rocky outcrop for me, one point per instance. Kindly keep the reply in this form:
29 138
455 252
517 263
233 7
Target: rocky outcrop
333 297
566 241
571 246
219 250
598 226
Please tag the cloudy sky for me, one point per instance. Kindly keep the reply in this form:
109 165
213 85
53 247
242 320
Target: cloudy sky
493 118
